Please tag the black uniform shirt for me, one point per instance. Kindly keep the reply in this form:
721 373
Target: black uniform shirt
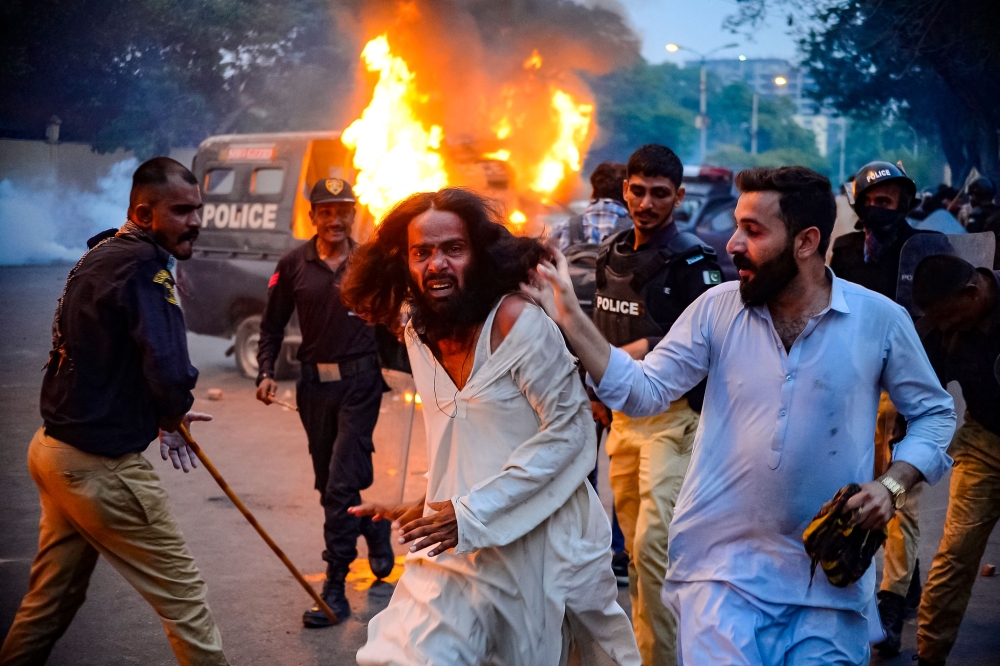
126 364
330 332
848 261
970 358
688 279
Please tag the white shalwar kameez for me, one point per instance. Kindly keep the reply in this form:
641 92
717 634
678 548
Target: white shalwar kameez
531 574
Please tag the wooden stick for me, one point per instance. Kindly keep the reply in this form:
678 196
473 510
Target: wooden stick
253 521
286 405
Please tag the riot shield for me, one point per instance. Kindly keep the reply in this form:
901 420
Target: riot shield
977 249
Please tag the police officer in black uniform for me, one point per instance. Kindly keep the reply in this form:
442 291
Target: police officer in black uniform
646 276
982 208
118 373
340 388
870 257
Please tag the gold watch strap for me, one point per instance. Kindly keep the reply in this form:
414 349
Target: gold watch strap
894 486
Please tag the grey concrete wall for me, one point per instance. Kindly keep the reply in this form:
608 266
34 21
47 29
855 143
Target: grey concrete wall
72 164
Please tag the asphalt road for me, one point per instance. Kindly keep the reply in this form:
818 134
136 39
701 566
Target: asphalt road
262 453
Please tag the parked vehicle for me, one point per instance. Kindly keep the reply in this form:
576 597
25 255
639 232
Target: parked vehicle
255 189
708 210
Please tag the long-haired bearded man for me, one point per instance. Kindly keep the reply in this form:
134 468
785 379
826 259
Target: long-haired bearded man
510 559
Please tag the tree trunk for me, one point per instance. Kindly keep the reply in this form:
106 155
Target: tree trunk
989 148
953 144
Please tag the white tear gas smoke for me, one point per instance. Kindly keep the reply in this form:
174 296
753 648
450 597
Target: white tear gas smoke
43 221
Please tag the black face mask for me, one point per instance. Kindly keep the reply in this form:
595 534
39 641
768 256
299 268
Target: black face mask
882 221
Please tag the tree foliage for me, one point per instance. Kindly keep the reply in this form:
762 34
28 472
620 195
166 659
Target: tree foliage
934 63
644 104
147 75
647 103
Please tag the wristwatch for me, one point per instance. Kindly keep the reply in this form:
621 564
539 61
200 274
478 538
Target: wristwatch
897 490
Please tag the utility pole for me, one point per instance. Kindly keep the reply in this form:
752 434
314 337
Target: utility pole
701 122
703 108
843 149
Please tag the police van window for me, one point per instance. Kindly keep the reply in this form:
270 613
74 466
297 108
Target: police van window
267 181
723 220
219 181
688 210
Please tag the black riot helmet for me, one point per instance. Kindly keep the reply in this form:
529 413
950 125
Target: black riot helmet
876 173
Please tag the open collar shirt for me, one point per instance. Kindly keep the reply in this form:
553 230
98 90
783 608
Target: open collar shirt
781 431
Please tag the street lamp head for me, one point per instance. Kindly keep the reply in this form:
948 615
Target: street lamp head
780 81
731 45
742 58
673 48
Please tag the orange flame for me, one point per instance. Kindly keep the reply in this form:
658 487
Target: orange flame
535 126
503 155
564 154
534 61
394 153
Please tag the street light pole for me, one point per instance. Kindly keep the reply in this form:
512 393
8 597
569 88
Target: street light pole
753 123
703 108
843 149
701 122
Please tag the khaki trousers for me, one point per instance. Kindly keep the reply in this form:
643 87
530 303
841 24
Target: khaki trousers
900 549
115 507
973 510
649 458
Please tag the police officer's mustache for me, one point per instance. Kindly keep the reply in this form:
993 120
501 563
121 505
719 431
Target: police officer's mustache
191 235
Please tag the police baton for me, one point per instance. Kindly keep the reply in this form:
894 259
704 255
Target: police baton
282 403
193 445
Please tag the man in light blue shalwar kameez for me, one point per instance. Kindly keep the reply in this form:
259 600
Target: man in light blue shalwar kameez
796 360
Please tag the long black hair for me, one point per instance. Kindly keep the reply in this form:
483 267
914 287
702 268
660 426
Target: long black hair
377 282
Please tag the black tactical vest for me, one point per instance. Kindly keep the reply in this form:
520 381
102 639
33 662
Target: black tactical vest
633 298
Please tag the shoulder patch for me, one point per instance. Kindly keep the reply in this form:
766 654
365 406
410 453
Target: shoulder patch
273 281
167 280
697 257
712 277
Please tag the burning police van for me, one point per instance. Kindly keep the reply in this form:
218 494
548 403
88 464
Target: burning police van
255 189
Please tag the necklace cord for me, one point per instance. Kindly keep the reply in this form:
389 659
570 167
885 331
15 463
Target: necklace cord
461 373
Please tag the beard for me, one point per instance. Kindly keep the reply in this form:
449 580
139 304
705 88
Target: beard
449 317
769 277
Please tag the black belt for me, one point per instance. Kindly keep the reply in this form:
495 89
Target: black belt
324 372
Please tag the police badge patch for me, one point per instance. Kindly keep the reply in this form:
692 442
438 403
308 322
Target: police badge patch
167 280
334 186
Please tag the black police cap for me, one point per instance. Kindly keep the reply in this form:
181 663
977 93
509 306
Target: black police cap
331 190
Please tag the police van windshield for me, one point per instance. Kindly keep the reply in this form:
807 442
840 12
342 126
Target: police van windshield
219 181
